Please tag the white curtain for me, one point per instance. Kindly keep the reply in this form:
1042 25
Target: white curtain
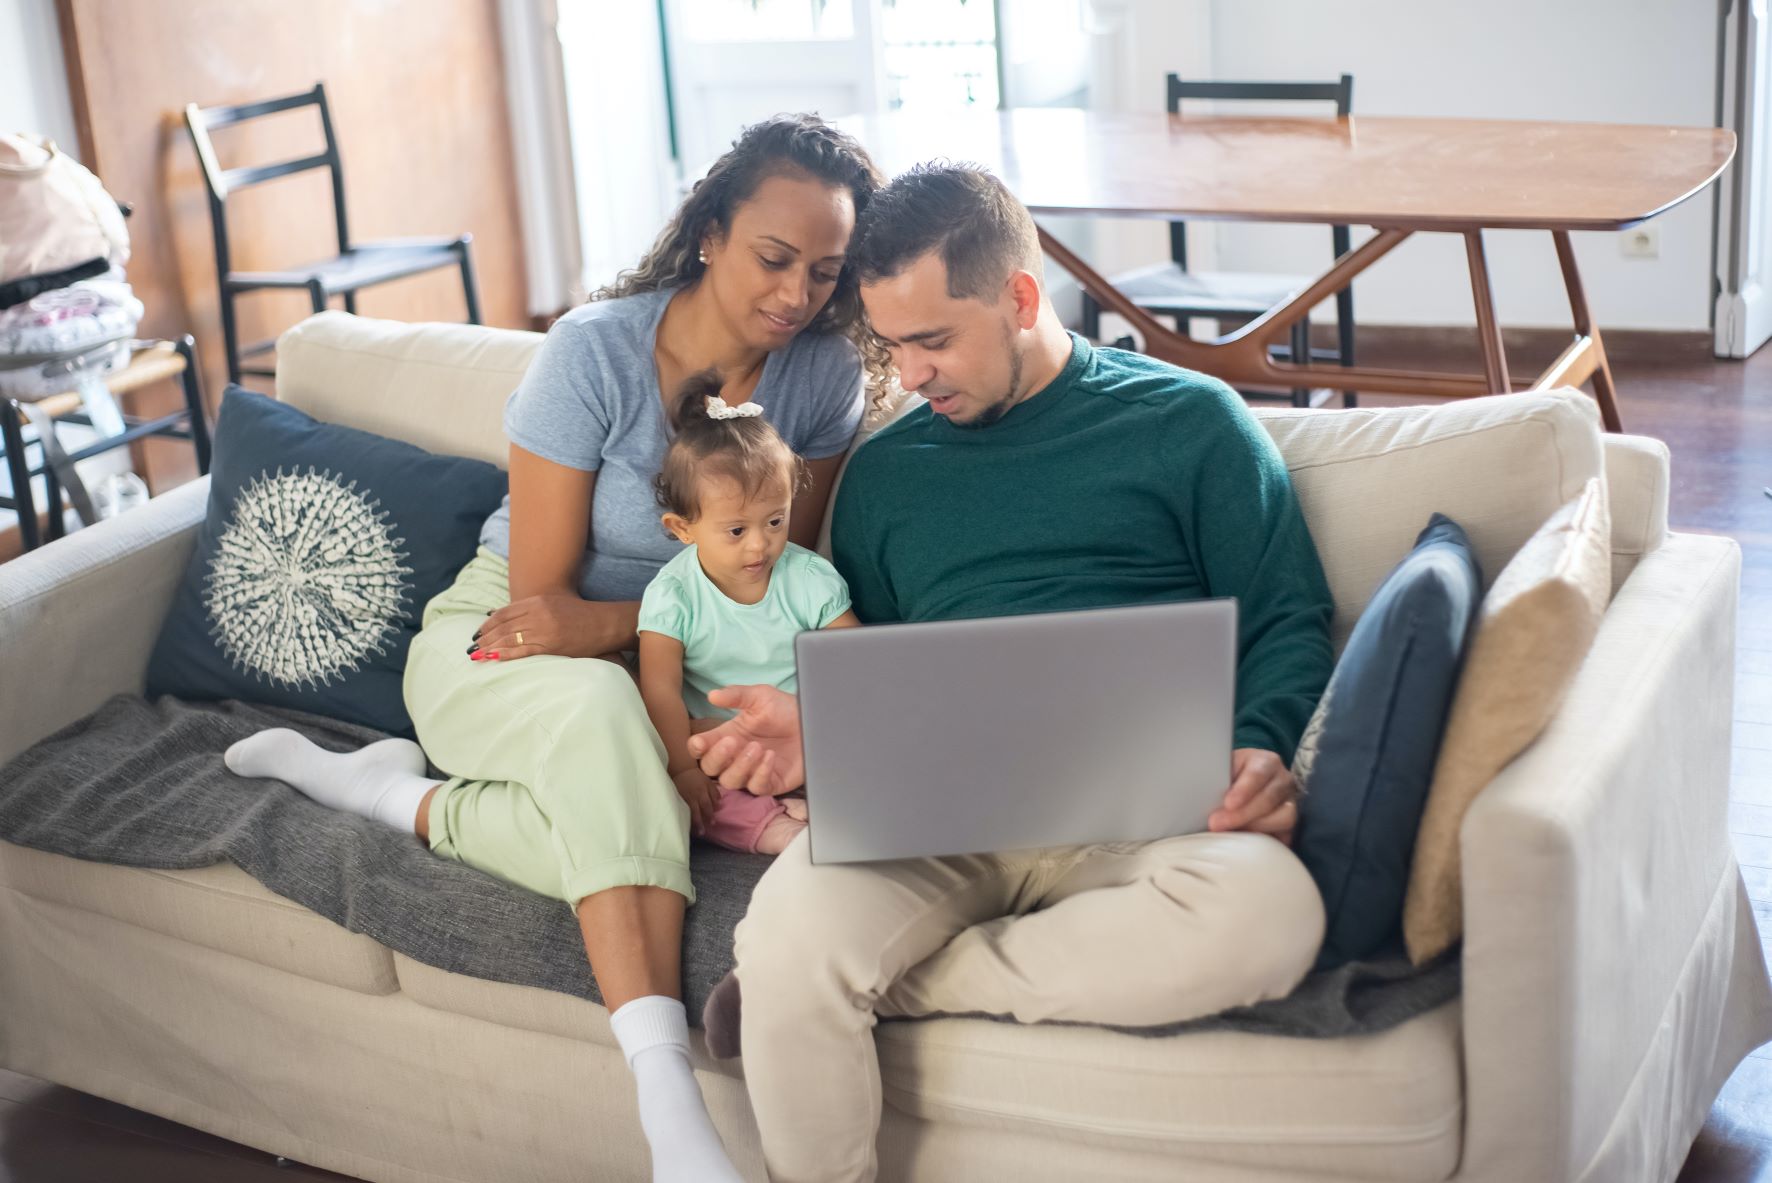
595 176
620 126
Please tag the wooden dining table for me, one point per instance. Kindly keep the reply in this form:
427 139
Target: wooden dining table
1399 175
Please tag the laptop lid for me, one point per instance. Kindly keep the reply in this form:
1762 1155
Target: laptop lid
1054 729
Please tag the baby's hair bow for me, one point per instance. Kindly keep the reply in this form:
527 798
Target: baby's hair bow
717 409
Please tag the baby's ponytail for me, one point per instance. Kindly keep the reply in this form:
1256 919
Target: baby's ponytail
743 447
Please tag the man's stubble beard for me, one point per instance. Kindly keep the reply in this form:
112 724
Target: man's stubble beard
995 411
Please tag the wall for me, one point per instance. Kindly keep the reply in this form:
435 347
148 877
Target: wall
418 103
1615 61
33 84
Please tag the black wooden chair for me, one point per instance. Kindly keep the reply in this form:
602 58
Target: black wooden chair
355 267
150 362
1171 289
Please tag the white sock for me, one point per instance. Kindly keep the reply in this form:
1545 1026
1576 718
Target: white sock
385 781
654 1035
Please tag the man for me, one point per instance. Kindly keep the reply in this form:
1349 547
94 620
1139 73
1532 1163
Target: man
1044 474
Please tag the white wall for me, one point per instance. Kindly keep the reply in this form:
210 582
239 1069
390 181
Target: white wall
33 80
1614 61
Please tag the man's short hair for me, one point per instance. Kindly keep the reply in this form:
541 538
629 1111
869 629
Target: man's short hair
983 233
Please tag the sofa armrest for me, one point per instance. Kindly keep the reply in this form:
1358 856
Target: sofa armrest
78 617
1637 483
1601 894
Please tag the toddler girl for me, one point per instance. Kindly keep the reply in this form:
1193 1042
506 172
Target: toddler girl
725 611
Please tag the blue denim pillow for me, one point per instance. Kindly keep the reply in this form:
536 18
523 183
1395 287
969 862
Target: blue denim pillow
1367 757
321 547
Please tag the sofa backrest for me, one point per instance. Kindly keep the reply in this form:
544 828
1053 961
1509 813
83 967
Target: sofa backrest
440 386
1368 479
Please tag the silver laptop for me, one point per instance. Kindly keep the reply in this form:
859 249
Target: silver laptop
1057 729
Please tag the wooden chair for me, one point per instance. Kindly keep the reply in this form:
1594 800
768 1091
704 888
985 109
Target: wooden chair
1171 289
355 267
152 361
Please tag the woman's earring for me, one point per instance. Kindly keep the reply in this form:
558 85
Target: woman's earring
703 256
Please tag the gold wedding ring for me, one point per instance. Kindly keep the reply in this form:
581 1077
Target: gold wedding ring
519 636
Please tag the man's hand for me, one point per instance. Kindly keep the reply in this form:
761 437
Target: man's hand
759 749
1263 797
565 625
699 793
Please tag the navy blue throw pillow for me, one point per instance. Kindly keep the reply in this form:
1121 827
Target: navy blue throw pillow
320 549
1367 757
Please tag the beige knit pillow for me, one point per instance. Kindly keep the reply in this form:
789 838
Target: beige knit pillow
1535 627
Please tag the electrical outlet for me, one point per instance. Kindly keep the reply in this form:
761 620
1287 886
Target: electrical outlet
1640 242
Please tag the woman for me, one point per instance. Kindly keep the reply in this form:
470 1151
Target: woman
558 779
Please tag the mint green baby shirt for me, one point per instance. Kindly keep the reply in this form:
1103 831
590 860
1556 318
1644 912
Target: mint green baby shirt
726 643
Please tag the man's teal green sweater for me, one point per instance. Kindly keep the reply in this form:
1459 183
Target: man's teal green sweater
1124 481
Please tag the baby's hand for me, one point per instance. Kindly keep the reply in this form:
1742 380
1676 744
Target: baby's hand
699 792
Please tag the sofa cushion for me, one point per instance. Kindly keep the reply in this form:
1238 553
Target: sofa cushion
1534 629
1385 1106
1367 756
529 1008
321 547
219 907
1365 478
1636 493
1498 466
440 386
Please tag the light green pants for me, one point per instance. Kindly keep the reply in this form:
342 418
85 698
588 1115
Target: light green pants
557 778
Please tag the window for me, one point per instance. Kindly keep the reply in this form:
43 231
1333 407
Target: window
940 53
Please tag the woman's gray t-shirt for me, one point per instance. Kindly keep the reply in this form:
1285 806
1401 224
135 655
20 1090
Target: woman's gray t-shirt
591 401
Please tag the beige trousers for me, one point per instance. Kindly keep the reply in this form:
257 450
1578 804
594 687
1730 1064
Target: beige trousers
1133 934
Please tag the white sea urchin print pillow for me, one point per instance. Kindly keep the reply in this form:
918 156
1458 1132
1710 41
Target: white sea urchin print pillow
307 580
320 549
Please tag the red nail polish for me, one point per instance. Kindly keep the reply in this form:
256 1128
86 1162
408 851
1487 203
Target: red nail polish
493 656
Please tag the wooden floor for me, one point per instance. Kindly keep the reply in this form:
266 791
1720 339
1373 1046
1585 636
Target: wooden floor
1716 418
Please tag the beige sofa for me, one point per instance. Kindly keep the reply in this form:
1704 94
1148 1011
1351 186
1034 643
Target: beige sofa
1612 973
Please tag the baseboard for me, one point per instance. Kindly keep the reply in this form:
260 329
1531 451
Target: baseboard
1449 345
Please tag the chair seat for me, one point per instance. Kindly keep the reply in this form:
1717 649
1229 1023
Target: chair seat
1165 288
362 266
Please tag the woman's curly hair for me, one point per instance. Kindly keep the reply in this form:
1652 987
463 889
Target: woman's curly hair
784 144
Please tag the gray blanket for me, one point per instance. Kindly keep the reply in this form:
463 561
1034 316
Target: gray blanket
142 784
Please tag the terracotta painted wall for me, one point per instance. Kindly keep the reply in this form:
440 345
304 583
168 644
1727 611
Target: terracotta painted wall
417 95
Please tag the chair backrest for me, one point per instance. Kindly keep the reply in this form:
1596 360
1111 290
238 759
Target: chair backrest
221 182
1179 89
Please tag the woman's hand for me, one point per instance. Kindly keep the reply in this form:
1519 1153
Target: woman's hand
1263 797
560 623
700 793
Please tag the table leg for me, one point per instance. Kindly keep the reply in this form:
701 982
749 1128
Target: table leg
1604 392
1488 328
1242 358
